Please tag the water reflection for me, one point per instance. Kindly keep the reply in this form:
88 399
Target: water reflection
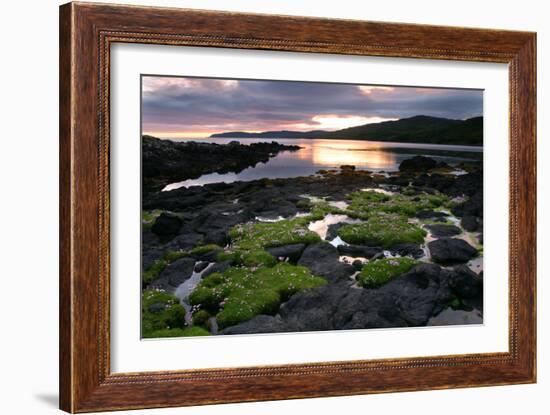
320 154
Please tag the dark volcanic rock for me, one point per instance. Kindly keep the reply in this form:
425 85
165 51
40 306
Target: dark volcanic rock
165 161
332 230
201 266
466 284
359 251
166 225
440 231
292 252
185 241
259 324
451 251
218 267
430 214
174 274
323 260
417 163
407 300
469 223
407 249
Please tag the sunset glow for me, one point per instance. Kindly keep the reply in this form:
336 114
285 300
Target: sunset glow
188 107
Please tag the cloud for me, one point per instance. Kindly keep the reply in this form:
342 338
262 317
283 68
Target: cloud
181 105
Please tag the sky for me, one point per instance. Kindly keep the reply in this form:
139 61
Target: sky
198 107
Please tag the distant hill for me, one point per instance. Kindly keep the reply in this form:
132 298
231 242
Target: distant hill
418 129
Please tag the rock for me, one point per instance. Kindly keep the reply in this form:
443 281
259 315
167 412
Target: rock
417 164
347 167
450 317
322 259
185 241
408 300
313 310
357 264
174 274
148 258
466 284
332 230
165 161
218 267
292 251
359 251
166 225
407 249
450 251
201 266
440 231
430 214
258 324
469 223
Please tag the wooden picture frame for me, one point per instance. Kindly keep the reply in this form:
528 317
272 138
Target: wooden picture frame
86 33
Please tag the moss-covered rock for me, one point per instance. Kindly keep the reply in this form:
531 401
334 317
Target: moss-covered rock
251 236
240 293
186 332
376 273
383 230
160 311
200 318
364 204
248 258
152 273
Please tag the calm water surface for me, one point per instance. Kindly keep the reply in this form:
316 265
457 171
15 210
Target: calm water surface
318 154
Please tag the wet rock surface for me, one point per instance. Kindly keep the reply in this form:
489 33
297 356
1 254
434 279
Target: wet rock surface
451 251
195 216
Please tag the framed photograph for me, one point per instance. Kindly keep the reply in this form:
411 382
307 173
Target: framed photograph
260 207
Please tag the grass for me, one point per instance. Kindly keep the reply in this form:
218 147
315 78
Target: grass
241 293
377 273
160 311
385 230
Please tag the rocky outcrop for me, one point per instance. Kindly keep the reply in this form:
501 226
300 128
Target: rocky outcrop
412 299
322 259
165 161
441 231
417 164
448 251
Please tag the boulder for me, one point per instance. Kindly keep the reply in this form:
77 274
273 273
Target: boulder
201 266
441 231
292 251
258 324
417 164
450 317
469 223
322 259
448 251
166 225
359 251
430 214
174 274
